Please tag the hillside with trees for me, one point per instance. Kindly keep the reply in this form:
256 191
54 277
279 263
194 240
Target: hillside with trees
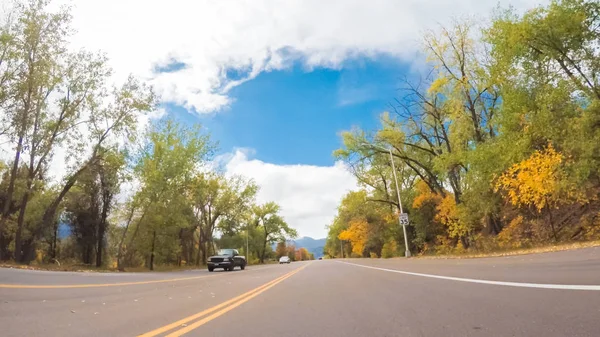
497 147
130 195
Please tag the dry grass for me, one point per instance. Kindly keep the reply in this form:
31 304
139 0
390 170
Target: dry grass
534 250
53 267
92 269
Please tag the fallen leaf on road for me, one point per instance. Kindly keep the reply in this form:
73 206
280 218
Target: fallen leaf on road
96 313
183 324
73 311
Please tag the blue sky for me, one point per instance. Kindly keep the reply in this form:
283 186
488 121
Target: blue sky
294 116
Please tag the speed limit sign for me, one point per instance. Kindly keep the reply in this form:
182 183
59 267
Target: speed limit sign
404 219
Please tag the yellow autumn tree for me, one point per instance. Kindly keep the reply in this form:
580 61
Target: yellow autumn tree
446 210
425 195
534 181
447 213
357 234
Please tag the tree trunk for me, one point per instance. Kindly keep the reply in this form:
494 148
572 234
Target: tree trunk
152 252
4 243
20 222
54 241
133 236
551 221
262 255
123 237
198 255
465 242
203 249
99 245
11 186
202 257
120 249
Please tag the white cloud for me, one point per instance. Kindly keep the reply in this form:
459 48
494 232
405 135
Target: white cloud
308 195
210 37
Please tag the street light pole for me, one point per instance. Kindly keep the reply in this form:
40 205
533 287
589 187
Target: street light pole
407 250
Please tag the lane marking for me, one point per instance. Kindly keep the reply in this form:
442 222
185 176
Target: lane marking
221 312
232 303
498 283
98 285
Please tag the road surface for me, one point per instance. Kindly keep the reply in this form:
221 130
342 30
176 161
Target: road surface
552 294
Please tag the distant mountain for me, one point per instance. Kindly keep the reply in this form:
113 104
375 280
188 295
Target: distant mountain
314 246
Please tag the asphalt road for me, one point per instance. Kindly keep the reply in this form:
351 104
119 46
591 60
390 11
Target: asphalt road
552 294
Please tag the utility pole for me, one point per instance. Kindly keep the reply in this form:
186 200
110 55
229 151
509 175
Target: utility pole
342 248
247 236
407 250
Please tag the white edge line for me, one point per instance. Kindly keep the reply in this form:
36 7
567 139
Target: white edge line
498 283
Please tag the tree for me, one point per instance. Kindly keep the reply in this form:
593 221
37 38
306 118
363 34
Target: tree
38 44
273 226
215 198
89 204
166 168
362 225
357 235
304 255
281 249
291 252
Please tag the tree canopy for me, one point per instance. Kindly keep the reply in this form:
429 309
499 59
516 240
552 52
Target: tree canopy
496 148
127 197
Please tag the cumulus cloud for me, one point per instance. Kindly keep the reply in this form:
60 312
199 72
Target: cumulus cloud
209 40
308 195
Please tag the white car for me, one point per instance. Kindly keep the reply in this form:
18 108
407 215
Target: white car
284 259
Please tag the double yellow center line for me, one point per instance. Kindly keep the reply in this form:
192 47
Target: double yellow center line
216 311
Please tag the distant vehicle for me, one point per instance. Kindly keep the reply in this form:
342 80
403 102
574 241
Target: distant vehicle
320 258
227 259
284 259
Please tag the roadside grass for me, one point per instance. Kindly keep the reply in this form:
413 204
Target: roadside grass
93 269
55 267
512 252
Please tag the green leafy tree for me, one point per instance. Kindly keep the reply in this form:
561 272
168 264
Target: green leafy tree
272 225
166 169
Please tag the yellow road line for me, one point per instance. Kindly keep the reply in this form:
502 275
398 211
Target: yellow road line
92 285
229 305
191 327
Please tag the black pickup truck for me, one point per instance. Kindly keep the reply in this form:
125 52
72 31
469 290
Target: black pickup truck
226 259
